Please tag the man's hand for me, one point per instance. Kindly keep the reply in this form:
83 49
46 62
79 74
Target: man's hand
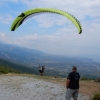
67 83
66 87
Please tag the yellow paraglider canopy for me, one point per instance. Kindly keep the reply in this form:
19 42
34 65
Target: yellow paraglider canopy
19 20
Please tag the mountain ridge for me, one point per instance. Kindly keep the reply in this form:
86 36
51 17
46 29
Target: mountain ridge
23 55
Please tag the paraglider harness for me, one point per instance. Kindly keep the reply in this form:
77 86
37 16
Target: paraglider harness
41 69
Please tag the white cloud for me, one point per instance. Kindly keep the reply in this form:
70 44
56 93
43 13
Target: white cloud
7 18
80 9
48 20
65 41
2 34
3 37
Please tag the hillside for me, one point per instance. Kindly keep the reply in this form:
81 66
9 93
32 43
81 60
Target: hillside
19 54
18 67
6 70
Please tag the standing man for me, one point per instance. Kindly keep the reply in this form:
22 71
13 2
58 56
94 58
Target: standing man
72 84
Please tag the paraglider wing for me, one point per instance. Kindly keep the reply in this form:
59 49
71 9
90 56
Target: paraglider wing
19 20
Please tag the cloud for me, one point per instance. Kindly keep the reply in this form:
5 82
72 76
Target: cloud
48 20
2 34
6 19
3 37
65 41
80 9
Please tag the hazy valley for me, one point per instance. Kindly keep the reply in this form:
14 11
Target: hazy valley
29 59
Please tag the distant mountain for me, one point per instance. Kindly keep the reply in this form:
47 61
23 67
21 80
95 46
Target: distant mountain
32 57
19 54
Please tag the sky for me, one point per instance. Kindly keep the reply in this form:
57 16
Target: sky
53 33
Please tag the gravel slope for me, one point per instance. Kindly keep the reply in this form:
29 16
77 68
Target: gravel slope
25 88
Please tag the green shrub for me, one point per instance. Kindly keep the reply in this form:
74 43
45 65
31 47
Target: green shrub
5 70
84 78
96 97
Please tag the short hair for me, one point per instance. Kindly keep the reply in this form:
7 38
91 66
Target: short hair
74 68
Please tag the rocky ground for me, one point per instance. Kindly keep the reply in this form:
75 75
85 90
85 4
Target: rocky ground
18 87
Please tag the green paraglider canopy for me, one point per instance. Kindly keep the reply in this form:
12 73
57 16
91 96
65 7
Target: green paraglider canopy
19 20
